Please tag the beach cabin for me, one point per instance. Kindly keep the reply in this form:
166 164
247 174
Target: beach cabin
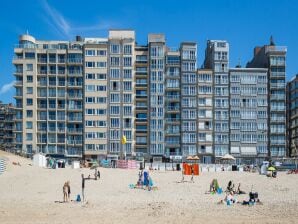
39 160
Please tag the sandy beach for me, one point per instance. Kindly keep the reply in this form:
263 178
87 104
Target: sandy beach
28 195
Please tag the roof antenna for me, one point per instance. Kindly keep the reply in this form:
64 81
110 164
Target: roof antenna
239 63
272 41
27 32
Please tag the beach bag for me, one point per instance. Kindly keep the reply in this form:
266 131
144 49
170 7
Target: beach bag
253 195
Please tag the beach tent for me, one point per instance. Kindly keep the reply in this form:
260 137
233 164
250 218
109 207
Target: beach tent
75 164
39 160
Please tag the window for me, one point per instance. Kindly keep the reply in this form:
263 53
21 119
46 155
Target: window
90 88
101 64
101 52
101 88
115 110
127 110
90 52
101 76
127 73
29 124
29 102
127 98
29 113
115 122
115 48
115 73
90 100
29 67
127 49
29 137
127 86
29 78
101 99
115 98
90 76
90 64
29 90
115 61
127 61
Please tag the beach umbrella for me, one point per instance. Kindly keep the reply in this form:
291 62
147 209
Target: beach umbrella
189 158
228 157
271 168
196 158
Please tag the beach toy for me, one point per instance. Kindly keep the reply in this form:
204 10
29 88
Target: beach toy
131 186
78 198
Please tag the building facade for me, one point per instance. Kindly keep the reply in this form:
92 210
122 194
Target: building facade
248 114
292 118
7 126
205 115
49 97
217 59
273 58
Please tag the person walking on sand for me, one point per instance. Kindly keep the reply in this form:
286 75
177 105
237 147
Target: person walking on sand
192 172
68 190
83 188
65 192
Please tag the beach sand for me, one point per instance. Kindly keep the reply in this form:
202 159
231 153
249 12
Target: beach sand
28 195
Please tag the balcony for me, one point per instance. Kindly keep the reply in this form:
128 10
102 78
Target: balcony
75 118
18 83
75 130
61 106
42 129
173 97
74 142
75 84
42 72
75 73
52 106
52 83
42 106
61 60
75 96
42 83
173 108
41 140
61 83
170 120
53 72
74 60
42 60
61 129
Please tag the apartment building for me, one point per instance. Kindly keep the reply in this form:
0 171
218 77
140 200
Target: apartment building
248 114
49 97
189 98
217 59
173 104
7 126
141 102
95 97
121 92
157 49
273 58
205 115
292 118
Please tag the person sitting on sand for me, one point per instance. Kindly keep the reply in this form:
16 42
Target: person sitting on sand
214 186
230 187
229 198
239 191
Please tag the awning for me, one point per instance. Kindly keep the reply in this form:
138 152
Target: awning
249 151
235 149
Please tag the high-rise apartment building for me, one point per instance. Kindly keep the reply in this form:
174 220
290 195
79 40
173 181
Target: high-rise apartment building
121 92
274 58
49 97
95 97
248 114
7 126
189 98
217 59
292 118
205 115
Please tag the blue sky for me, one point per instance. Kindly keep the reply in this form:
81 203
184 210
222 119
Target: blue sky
244 23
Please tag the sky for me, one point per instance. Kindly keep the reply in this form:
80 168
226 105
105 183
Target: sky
243 23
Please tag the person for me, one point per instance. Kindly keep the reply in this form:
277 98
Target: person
230 187
65 192
68 190
192 172
83 187
95 174
214 186
98 174
239 191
